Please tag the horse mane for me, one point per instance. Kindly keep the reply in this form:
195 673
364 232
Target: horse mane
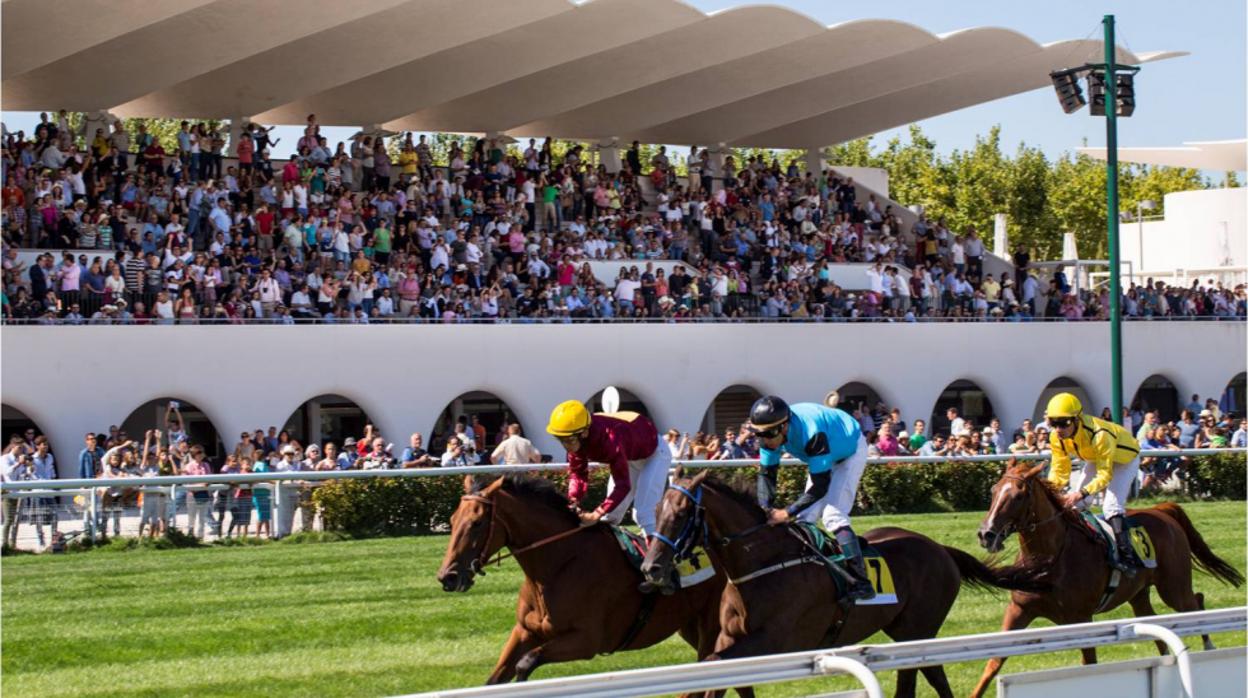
539 490
1070 516
738 492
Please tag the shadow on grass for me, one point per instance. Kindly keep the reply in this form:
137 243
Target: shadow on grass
177 540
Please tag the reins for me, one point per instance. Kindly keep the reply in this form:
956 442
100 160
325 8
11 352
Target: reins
483 560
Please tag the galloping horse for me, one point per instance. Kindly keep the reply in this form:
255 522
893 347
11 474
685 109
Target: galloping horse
1054 537
784 599
580 594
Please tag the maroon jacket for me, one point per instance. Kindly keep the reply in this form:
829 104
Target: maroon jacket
614 439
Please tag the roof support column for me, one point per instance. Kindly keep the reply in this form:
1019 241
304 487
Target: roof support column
815 161
237 124
609 155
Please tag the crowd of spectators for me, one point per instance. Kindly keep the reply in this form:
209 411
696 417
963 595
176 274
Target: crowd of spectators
376 231
254 510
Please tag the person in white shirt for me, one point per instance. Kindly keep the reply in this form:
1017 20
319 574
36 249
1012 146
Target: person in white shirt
515 449
957 425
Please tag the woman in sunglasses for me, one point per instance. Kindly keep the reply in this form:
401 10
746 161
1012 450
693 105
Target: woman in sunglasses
626 441
1111 449
830 442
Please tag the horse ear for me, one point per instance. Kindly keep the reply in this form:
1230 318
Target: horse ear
1035 470
470 484
678 473
697 479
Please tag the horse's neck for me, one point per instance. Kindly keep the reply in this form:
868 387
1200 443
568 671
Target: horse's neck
1049 535
529 524
725 518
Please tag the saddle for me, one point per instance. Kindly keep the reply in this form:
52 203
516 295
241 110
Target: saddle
633 545
1141 543
878 572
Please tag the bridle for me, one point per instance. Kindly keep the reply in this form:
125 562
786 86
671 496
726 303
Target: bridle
695 528
1031 527
478 565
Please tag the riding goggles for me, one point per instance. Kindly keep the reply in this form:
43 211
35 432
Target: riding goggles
1061 422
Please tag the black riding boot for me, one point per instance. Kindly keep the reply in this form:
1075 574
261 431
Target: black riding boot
861 589
1124 560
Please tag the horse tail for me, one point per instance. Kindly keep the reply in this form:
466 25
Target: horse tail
1032 576
1204 558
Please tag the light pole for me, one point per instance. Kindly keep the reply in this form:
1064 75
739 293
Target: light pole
1112 88
1140 208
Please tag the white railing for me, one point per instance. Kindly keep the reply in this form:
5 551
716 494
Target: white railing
866 660
25 486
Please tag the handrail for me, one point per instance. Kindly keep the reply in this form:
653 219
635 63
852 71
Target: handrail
315 475
875 658
1173 642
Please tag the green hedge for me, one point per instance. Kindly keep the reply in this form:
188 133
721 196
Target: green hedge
403 506
1218 477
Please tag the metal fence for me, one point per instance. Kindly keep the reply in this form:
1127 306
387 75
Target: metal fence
865 661
275 497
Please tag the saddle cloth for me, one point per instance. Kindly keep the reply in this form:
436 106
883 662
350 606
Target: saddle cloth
878 572
694 569
1141 543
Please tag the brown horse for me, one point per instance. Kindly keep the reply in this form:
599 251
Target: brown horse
580 594
1055 537
783 599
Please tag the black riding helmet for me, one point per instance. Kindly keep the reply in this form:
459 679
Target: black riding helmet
768 411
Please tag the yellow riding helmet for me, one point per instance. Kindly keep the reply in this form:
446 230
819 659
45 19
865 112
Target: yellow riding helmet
1063 405
569 417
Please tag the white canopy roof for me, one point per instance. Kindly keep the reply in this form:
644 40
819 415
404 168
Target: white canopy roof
1201 155
658 71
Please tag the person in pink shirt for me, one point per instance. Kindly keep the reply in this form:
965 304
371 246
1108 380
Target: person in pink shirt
69 275
567 272
886 443
198 502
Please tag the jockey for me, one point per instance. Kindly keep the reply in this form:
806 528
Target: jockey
831 444
1105 445
626 441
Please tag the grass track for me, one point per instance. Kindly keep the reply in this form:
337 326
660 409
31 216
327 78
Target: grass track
367 618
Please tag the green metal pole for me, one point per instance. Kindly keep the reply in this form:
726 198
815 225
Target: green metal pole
1111 190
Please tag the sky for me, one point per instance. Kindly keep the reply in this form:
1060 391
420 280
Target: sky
1192 98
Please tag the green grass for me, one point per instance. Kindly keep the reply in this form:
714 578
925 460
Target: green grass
367 618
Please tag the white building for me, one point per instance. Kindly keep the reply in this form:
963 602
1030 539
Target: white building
71 380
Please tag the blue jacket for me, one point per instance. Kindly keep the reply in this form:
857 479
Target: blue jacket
88 461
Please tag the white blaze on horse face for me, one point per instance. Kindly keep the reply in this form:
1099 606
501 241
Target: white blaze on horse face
996 505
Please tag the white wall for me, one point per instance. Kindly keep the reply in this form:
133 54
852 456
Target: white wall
71 380
1201 230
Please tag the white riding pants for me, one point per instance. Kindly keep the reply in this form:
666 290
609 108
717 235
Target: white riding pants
649 479
1115 502
836 505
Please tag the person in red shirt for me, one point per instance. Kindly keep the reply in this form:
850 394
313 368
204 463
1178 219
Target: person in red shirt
629 444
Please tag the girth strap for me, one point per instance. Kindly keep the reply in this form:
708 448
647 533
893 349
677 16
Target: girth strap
808 559
648 602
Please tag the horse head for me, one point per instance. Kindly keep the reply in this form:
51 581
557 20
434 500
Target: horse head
475 535
677 528
1011 504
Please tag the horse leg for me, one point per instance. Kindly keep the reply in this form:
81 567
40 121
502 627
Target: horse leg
907 682
1016 618
561 648
518 643
1200 605
936 678
1142 607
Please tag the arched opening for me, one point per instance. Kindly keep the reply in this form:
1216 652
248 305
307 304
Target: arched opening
14 422
1158 394
628 403
859 398
970 401
328 419
731 408
1063 384
164 414
1234 400
483 414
